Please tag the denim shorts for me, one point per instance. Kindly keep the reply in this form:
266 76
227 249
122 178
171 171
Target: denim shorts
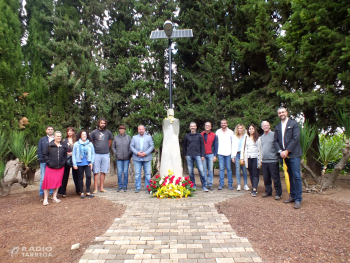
101 163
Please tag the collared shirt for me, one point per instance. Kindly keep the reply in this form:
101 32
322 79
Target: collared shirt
240 143
224 141
284 124
50 138
141 146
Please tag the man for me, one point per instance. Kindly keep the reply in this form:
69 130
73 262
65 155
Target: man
211 151
42 145
102 141
193 148
225 136
122 152
270 166
142 147
286 139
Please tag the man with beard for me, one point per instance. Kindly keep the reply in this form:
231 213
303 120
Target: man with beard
225 136
102 141
287 144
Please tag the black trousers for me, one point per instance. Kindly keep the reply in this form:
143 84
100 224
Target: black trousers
272 170
253 172
63 188
87 170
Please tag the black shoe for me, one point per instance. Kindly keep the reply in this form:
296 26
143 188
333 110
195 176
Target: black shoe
297 205
82 196
89 196
119 189
265 195
253 193
290 200
211 188
125 189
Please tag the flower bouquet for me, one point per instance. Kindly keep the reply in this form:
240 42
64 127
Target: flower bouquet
169 187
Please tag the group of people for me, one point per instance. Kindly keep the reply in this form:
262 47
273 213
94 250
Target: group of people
248 151
85 153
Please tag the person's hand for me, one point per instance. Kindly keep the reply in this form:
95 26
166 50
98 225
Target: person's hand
284 154
70 153
75 167
139 154
91 166
202 158
214 159
234 160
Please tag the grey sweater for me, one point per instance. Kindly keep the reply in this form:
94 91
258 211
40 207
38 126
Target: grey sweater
269 153
121 147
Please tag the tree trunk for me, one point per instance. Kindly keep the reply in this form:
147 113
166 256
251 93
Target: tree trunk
6 186
308 169
329 182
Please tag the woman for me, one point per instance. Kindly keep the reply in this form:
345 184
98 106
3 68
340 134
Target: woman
238 139
122 152
55 157
83 160
251 157
70 140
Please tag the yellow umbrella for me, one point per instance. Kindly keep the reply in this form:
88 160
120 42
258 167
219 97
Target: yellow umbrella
286 176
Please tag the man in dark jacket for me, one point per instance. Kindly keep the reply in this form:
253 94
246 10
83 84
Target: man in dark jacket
42 145
122 152
193 148
287 144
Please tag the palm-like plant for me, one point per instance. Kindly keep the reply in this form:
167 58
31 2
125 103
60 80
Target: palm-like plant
330 149
17 144
29 155
343 121
307 135
3 145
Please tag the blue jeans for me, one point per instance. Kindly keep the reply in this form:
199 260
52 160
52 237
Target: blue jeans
42 174
225 161
296 186
146 170
238 170
123 167
190 161
208 163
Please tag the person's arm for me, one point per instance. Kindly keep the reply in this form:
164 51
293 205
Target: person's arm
276 140
92 155
74 159
110 135
295 139
46 153
132 145
184 145
151 146
114 146
202 149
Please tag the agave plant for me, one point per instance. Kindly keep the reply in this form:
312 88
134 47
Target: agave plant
17 144
330 149
2 168
3 145
344 123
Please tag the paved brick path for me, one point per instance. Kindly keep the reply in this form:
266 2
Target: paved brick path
188 230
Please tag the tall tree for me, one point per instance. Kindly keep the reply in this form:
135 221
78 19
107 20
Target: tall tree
312 70
11 70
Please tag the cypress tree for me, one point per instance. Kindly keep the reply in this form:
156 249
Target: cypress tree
11 71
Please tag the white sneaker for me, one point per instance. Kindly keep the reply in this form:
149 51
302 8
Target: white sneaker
246 188
239 188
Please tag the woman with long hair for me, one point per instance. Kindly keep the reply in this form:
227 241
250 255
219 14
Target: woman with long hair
251 157
69 140
55 157
237 147
83 160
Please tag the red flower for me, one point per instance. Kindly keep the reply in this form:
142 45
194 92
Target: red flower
192 185
157 176
147 186
183 185
190 182
149 190
164 184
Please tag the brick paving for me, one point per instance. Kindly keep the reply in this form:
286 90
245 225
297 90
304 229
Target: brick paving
188 230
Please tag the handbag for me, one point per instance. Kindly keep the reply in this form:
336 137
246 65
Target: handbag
69 161
241 161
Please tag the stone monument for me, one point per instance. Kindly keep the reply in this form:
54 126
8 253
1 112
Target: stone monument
171 157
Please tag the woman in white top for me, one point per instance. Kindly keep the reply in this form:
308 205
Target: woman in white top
237 143
251 157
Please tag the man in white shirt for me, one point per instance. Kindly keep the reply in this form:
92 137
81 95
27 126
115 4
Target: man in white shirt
224 136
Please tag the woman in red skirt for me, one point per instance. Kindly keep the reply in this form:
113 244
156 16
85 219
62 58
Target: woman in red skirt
55 157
